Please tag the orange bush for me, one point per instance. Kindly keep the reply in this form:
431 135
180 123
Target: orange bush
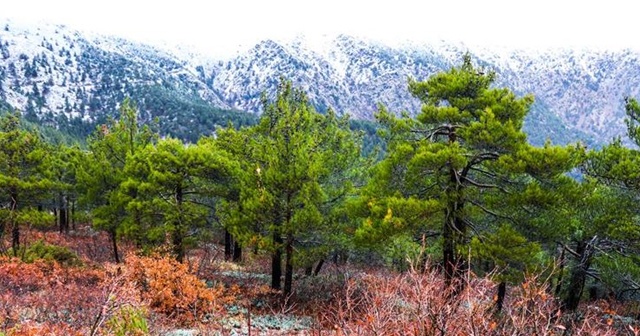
171 289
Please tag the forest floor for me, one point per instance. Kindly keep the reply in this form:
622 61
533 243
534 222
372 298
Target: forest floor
91 295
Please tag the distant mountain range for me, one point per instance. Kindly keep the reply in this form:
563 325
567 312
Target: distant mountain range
73 80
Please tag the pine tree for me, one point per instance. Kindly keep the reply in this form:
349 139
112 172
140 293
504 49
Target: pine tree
299 169
177 185
613 240
64 164
449 170
24 178
103 170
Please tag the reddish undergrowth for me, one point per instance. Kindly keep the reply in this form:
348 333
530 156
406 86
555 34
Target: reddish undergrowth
45 298
416 303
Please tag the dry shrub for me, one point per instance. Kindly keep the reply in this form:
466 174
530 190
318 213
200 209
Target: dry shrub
416 303
118 296
43 329
44 295
169 288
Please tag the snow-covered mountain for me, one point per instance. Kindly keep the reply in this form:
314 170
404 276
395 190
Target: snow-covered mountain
60 76
579 93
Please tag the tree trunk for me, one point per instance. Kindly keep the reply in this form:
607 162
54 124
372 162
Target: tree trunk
578 275
237 251
178 230
15 229
227 245
67 213
502 291
288 270
593 293
276 261
448 251
454 230
178 244
73 215
63 223
15 238
560 274
114 242
318 267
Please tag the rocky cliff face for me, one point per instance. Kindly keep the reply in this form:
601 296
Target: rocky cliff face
57 75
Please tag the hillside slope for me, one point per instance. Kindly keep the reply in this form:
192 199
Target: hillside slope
73 80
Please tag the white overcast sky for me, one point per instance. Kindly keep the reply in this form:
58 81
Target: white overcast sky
223 26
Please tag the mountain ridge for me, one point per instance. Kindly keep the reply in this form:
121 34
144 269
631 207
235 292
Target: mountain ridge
58 75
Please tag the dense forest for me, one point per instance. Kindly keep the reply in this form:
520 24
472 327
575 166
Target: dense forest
304 222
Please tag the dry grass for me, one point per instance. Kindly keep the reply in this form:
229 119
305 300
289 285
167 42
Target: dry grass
216 297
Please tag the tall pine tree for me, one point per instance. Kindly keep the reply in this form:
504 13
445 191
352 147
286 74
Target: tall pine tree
446 167
297 169
24 178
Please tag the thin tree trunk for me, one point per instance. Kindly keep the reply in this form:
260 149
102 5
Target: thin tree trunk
15 229
502 291
73 215
63 223
276 255
15 238
448 251
579 275
318 267
67 214
593 293
114 242
227 245
178 244
454 230
237 251
560 274
276 262
288 274
178 234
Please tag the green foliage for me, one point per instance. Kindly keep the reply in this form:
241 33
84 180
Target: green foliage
450 171
40 250
298 167
633 118
187 116
24 177
176 186
612 212
402 252
510 254
103 170
128 321
619 273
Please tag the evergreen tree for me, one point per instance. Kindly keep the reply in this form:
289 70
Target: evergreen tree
450 169
615 240
24 178
177 186
299 170
103 170
65 161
